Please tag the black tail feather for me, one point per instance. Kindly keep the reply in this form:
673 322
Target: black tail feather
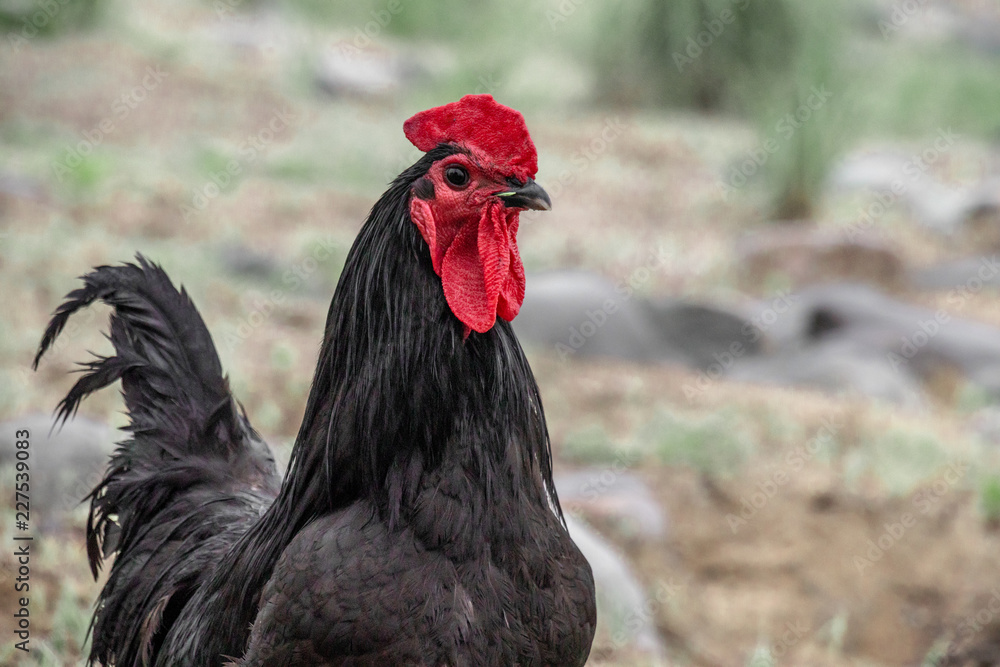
158 333
191 479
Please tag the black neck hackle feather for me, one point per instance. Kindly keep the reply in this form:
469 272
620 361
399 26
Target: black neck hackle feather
398 390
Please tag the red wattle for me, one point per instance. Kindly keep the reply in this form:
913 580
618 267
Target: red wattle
512 292
480 268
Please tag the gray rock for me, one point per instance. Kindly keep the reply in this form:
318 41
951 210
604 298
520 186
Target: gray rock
940 208
622 604
21 186
578 314
837 365
850 321
971 272
969 25
701 332
613 494
984 198
241 260
64 465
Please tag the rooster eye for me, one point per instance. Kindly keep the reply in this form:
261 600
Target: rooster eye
456 176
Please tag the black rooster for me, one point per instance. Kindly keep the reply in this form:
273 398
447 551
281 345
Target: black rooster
417 523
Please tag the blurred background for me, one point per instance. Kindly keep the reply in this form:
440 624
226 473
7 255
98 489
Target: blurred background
762 313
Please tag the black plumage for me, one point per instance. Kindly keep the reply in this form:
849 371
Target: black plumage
417 523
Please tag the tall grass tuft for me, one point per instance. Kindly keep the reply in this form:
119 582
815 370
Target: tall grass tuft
703 54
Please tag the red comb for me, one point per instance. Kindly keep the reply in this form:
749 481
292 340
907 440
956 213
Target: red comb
478 122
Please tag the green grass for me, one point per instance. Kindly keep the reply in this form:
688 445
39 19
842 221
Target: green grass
989 498
899 458
718 444
590 445
25 17
924 87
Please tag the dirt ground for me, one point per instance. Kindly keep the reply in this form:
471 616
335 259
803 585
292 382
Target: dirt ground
807 552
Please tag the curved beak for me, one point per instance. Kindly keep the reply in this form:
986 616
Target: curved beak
530 195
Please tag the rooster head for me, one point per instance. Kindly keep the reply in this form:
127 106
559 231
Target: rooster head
467 204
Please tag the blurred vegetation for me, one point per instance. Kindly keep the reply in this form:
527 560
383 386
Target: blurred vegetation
28 18
899 458
590 445
718 444
702 54
759 60
989 499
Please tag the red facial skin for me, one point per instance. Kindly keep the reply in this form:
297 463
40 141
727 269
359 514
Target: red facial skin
472 237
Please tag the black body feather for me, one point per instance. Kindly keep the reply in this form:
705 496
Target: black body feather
417 522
